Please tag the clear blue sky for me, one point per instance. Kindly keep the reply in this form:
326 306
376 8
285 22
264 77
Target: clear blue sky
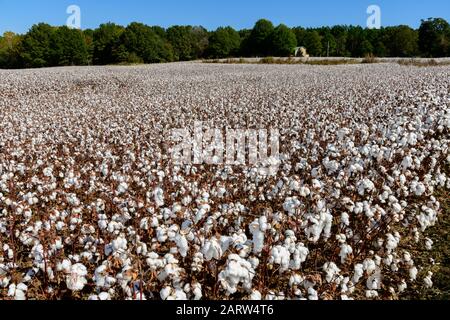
19 15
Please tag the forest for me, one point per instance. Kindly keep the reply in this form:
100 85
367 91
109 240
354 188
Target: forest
47 46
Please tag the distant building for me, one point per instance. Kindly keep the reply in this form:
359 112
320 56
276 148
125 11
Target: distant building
301 52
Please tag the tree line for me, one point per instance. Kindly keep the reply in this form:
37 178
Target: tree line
46 46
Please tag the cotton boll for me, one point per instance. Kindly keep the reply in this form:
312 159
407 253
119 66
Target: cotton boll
312 294
281 256
212 250
345 219
299 256
197 291
428 280
346 251
122 188
182 244
358 273
255 296
257 229
428 244
159 197
76 280
331 271
17 292
413 273
165 293
402 286
237 271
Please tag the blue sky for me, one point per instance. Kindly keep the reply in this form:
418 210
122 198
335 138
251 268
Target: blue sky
19 15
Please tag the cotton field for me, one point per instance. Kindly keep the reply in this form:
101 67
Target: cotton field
92 205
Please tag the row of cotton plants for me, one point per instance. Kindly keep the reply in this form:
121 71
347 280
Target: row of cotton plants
92 205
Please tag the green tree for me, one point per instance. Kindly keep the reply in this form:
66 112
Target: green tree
328 42
259 40
36 46
106 43
68 47
224 42
434 37
313 43
200 38
89 40
181 39
245 49
10 48
402 41
140 41
340 34
282 41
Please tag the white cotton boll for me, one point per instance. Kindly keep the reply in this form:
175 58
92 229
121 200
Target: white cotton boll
428 282
312 294
197 291
76 280
200 215
346 251
64 266
257 229
254 262
154 261
345 219
331 271
371 294
358 274
391 242
255 296
420 189
237 271
281 256
102 224
407 258
17 292
299 256
182 244
212 250
428 244
122 188
197 262
397 207
48 172
407 162
161 234
159 197
369 266
304 192
402 286
374 281
104 296
295 280
294 185
144 225
359 208
413 273
365 186
165 293
179 295
290 205
119 244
